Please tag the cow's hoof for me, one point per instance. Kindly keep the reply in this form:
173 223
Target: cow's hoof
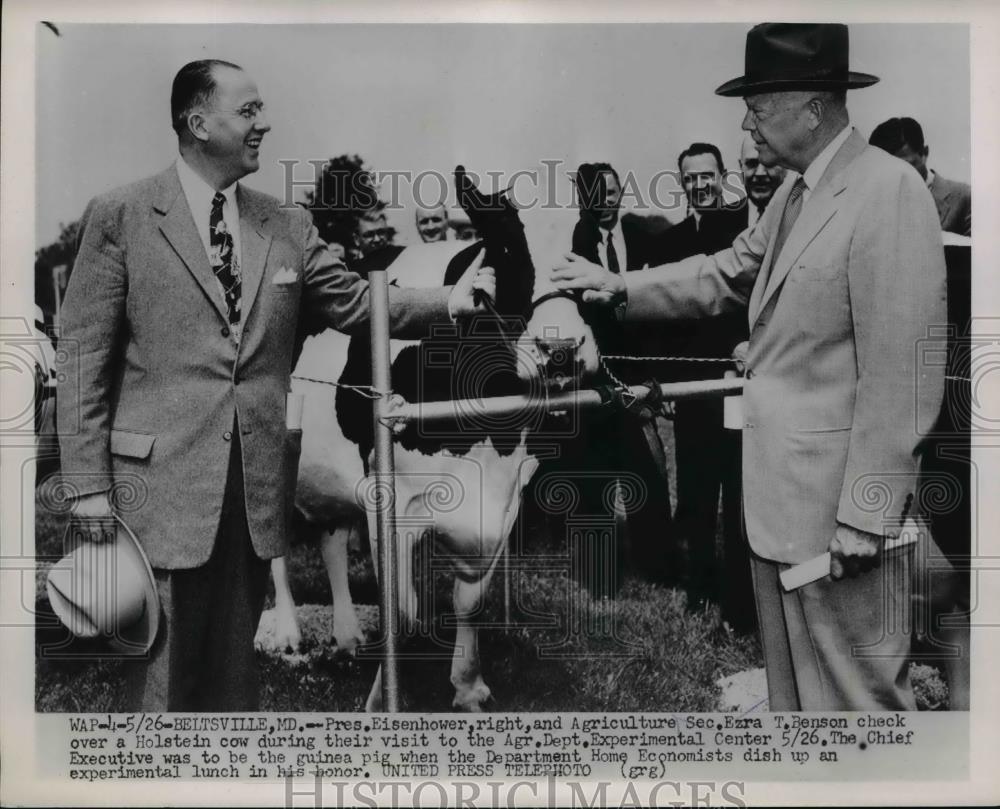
278 632
288 639
347 642
474 699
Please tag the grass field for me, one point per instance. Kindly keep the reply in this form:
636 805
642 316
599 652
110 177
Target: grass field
644 651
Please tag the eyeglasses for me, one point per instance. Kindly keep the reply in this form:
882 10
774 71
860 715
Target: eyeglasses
248 112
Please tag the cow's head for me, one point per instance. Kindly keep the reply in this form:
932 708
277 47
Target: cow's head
555 347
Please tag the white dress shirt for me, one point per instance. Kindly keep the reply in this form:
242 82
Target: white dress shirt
814 173
199 195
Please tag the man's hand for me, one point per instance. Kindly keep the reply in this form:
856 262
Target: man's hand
93 519
853 552
598 284
462 301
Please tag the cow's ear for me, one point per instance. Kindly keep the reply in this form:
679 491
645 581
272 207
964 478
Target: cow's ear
507 198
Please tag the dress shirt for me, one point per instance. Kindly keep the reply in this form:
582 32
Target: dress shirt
814 173
199 195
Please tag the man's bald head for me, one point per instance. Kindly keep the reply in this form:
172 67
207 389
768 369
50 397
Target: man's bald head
432 223
760 181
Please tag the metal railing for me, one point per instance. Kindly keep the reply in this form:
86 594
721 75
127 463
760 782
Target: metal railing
385 413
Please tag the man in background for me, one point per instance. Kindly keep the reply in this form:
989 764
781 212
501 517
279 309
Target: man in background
760 181
706 454
618 448
432 223
373 231
904 138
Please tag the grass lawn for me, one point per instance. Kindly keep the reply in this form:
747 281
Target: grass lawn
643 651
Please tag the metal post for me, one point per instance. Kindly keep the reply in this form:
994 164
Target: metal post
384 473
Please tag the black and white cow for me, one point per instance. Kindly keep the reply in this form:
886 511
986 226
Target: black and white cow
458 483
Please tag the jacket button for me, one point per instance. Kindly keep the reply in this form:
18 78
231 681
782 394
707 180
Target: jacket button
749 373
227 436
225 331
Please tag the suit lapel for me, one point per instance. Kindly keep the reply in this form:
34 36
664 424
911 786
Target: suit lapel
255 243
178 227
821 207
757 293
941 194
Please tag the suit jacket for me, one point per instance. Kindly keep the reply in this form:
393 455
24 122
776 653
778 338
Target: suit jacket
153 380
954 204
837 397
640 238
705 337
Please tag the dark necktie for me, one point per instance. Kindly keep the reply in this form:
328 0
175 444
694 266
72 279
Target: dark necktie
613 265
792 208
222 259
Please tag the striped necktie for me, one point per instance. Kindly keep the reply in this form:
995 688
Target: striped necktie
223 261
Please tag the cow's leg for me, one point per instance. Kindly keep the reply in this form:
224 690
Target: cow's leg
287 636
471 692
346 628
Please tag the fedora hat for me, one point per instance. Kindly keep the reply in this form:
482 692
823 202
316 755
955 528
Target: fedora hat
107 589
796 56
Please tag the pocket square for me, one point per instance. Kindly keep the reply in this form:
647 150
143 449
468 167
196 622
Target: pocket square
285 276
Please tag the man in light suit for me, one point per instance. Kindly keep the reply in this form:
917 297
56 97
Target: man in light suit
178 327
904 138
843 275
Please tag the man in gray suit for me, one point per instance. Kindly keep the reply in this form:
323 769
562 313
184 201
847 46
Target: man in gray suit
904 138
842 278
178 327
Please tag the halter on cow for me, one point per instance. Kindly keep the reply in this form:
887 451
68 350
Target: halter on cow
457 483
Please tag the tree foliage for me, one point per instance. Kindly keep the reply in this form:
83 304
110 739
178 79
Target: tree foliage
344 191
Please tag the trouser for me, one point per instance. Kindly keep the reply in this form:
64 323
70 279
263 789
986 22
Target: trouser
942 590
708 463
203 658
614 453
837 645
736 599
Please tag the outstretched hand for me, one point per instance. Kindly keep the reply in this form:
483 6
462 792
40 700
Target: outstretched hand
599 285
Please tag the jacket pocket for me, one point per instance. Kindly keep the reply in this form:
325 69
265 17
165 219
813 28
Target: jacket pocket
131 444
817 273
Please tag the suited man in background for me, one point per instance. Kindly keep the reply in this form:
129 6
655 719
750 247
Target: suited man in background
178 328
843 277
904 138
615 446
707 455
432 223
760 181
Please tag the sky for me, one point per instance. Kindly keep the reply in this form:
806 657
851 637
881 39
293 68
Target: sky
422 98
